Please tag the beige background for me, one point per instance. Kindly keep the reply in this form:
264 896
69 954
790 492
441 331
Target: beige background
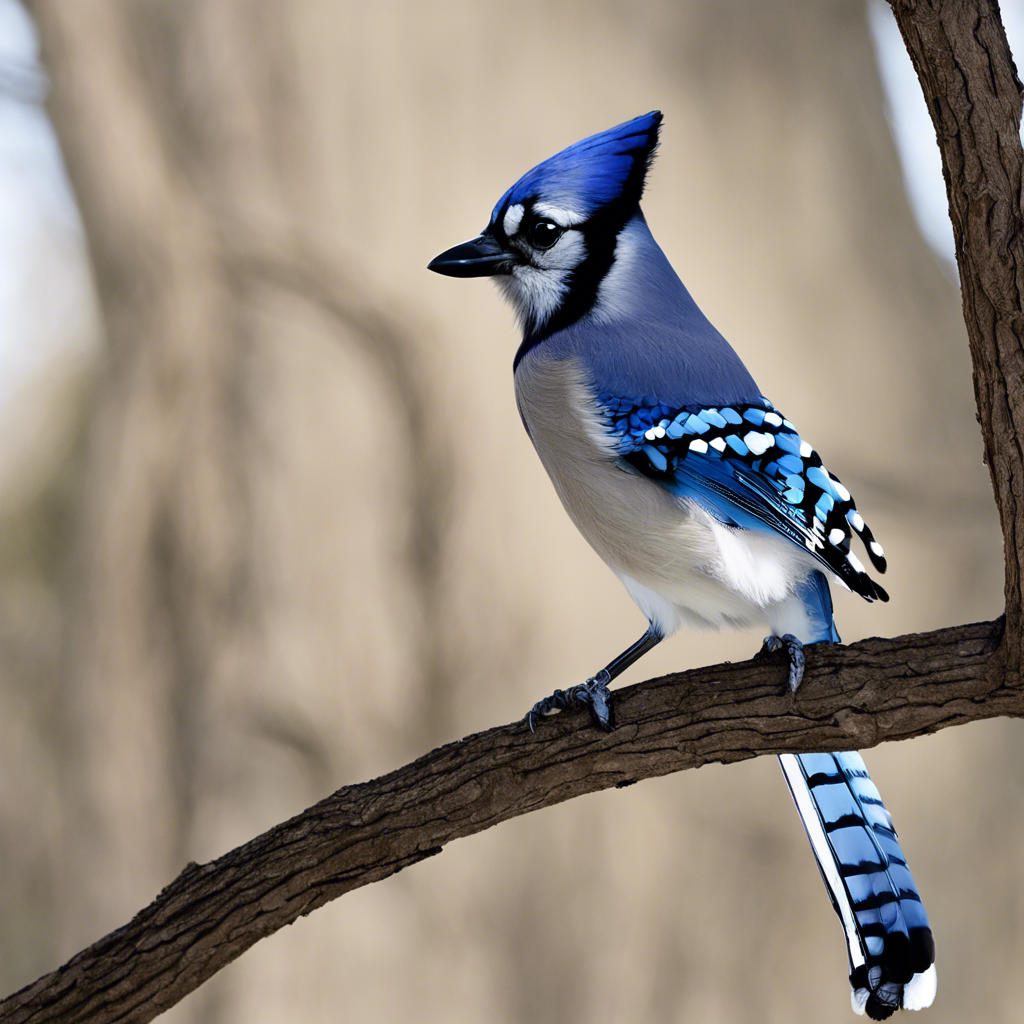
299 535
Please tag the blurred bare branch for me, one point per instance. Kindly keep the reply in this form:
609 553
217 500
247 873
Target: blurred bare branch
388 345
413 424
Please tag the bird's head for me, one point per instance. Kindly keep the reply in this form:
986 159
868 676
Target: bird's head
551 237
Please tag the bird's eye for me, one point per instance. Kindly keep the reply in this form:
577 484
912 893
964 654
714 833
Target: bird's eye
543 233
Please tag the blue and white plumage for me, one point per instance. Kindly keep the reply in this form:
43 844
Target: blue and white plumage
699 495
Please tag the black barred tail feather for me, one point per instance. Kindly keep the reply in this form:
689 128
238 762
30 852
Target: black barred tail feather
890 945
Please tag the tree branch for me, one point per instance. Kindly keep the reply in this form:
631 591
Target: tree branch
855 696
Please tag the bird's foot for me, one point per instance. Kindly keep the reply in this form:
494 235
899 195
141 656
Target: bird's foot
794 651
594 694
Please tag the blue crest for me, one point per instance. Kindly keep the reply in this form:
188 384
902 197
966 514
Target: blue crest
594 172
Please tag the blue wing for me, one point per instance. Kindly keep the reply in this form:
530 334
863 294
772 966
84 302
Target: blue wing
747 466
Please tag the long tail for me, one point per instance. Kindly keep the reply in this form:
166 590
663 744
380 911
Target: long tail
889 941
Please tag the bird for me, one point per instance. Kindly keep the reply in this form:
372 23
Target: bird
700 496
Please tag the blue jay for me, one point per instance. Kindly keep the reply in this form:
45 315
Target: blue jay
699 495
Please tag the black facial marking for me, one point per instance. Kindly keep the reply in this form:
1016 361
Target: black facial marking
600 233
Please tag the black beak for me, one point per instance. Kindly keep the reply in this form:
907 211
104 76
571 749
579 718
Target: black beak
479 257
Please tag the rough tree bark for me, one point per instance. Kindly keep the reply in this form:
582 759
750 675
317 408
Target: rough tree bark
856 696
974 97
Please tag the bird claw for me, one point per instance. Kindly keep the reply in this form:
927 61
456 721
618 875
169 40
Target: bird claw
594 693
794 651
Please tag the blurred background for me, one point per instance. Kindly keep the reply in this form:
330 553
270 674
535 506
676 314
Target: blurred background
270 523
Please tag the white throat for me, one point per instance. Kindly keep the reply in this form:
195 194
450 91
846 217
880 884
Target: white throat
538 286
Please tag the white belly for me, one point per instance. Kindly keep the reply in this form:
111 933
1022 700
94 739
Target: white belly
677 562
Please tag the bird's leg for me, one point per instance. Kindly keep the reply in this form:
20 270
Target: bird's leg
594 693
794 651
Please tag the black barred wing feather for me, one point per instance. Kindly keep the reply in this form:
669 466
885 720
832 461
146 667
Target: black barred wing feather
749 467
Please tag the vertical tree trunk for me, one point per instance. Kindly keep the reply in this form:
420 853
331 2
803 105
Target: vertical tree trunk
976 109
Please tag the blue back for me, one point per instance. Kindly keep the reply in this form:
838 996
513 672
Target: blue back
651 341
